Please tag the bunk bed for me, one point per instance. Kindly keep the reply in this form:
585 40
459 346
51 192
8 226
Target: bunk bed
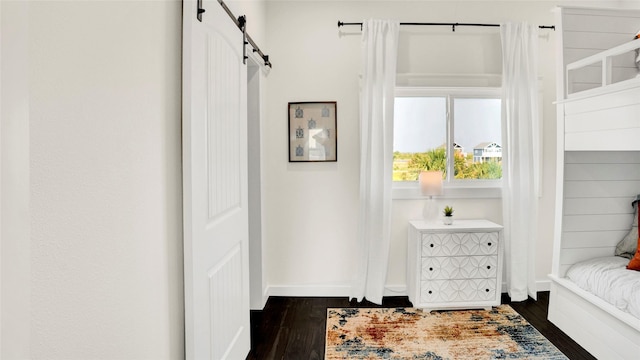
598 167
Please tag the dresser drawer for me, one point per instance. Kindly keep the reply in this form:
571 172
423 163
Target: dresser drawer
459 244
463 290
459 267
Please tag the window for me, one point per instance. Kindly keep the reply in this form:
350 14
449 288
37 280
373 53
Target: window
457 131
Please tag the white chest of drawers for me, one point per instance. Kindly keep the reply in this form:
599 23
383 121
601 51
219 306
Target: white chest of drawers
456 266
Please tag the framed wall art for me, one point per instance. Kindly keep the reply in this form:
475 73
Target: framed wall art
313 132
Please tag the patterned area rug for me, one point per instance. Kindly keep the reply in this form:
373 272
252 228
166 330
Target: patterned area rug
407 333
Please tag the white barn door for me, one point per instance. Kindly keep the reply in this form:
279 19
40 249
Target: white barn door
215 186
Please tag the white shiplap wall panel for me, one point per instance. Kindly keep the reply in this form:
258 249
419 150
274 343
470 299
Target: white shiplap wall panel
597 172
605 122
587 31
572 256
615 13
619 139
590 206
596 222
620 62
572 55
593 239
627 117
606 23
577 87
593 74
624 98
596 40
593 157
598 190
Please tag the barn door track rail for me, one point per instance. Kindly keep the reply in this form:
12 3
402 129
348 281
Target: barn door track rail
241 23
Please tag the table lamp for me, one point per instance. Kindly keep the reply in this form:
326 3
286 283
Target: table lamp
430 185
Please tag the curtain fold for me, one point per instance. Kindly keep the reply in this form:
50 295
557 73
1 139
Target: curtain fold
521 163
379 58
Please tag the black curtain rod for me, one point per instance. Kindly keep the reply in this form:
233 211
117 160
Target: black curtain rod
453 25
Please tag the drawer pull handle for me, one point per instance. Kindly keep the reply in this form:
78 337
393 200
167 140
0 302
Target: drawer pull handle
430 245
431 291
430 269
489 244
488 266
487 290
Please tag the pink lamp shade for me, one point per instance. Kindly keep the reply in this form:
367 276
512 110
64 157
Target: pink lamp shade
431 183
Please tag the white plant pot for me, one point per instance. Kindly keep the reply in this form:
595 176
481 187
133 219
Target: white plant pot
448 220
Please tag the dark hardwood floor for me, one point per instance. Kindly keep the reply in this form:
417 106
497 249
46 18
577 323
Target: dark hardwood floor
294 327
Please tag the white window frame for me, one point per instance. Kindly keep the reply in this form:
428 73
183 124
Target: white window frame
468 189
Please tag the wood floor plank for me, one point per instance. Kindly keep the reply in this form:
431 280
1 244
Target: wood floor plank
294 327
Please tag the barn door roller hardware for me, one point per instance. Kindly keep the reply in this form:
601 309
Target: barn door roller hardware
241 23
200 11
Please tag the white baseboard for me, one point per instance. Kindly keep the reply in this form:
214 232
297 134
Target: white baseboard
342 290
324 290
327 290
543 285
263 301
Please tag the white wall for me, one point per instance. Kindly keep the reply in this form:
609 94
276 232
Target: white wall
255 11
15 262
311 209
106 244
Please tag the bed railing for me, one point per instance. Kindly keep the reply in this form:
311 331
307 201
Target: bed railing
606 59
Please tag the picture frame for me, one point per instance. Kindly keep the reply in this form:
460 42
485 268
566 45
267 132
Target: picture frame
313 135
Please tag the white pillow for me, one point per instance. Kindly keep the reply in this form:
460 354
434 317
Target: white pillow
628 245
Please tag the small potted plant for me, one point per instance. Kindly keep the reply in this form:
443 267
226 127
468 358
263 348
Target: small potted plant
448 215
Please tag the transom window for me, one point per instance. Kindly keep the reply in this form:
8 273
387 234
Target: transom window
457 131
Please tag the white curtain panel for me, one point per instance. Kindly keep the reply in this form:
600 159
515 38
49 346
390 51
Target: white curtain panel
379 58
521 163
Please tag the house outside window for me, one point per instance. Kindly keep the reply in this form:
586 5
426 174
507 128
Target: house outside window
485 152
455 130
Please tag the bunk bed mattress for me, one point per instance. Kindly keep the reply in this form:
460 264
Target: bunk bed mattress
608 278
